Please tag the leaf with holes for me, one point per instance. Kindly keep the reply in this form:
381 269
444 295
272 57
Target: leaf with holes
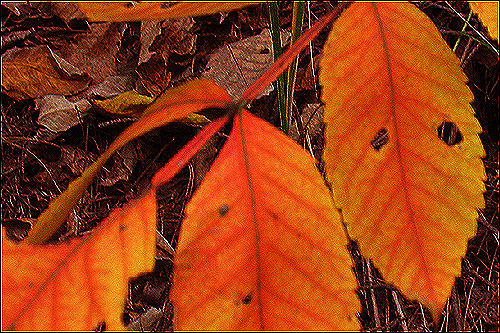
146 10
390 84
76 286
262 247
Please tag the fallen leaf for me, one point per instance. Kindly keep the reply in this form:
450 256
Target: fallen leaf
75 286
176 36
113 86
37 71
130 103
149 31
67 10
58 114
252 57
133 104
153 75
262 247
407 197
144 11
94 52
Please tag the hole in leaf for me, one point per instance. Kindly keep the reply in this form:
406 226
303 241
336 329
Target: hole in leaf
247 299
223 209
265 51
380 139
449 133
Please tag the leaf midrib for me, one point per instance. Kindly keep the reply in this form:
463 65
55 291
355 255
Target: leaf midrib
397 145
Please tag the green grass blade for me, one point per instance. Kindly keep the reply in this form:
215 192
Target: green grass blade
279 84
298 17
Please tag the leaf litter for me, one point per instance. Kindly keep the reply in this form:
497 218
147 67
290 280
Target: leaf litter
475 290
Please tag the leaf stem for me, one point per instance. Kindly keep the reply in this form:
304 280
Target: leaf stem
286 58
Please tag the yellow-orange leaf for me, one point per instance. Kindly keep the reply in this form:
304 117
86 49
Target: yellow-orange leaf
262 247
410 201
487 11
73 287
174 104
150 10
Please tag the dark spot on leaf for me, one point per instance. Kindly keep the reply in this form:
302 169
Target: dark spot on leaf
265 51
129 4
247 299
380 139
449 133
223 209
123 227
165 5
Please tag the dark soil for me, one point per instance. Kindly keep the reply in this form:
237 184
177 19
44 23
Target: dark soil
35 168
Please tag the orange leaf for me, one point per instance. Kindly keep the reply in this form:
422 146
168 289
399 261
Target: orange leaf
487 11
262 246
77 285
174 104
411 201
145 10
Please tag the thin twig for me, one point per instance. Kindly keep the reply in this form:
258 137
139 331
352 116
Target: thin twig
399 310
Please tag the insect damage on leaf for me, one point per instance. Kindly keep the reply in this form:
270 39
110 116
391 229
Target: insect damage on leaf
380 139
247 299
449 133
223 209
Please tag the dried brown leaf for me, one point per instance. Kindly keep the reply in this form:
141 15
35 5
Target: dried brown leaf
37 71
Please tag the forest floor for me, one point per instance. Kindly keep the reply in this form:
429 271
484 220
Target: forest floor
37 164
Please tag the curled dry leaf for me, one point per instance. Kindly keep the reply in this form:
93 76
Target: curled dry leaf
149 31
153 75
94 51
37 71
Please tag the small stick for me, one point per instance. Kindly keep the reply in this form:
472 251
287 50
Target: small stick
426 325
400 311
374 302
